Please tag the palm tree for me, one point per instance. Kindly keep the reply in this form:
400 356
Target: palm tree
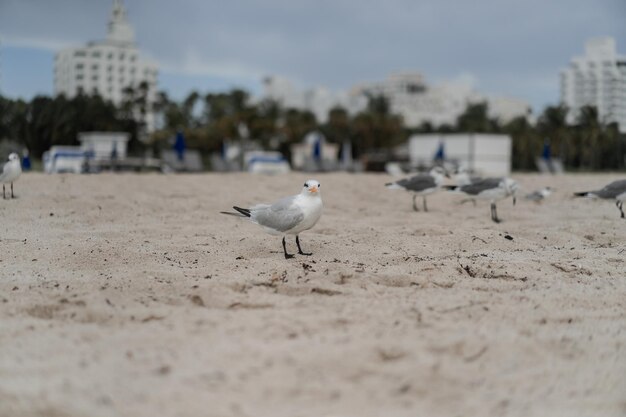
526 143
476 119
590 131
552 125
188 107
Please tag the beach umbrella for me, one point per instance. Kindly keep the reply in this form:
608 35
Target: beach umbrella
440 155
180 145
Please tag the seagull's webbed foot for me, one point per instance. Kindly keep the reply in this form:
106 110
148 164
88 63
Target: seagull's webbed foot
300 249
287 255
494 214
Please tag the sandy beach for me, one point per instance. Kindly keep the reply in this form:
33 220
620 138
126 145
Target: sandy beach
130 295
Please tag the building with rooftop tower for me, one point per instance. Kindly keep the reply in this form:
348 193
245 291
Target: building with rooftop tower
109 67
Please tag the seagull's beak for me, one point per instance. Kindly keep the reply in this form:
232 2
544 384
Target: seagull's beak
313 189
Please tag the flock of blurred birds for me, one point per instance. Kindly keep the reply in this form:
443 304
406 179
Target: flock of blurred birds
474 188
493 189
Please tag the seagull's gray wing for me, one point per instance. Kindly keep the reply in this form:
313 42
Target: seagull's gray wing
280 216
417 183
5 171
478 187
612 190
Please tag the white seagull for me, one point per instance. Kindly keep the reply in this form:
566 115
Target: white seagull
422 184
615 190
463 177
287 216
492 189
539 195
10 173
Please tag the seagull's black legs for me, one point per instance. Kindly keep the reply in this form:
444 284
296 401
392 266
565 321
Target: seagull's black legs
12 196
3 196
424 201
415 205
619 205
300 249
287 255
494 214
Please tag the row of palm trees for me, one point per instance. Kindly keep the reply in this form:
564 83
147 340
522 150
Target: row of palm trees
588 144
207 120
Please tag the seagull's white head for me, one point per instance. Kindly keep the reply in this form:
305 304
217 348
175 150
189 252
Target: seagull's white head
439 171
13 156
311 187
511 186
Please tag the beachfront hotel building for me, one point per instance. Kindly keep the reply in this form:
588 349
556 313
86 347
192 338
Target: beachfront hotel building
108 67
408 93
318 100
418 101
596 79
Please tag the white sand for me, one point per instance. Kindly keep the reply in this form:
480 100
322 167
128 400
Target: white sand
129 295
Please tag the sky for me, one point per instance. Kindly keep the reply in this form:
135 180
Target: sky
511 48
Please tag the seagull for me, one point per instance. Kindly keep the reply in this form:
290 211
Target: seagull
287 216
463 177
539 195
492 189
422 184
615 190
10 173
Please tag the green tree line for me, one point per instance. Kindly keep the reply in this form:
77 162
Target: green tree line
207 120
588 144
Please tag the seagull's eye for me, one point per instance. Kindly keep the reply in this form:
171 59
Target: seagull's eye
306 185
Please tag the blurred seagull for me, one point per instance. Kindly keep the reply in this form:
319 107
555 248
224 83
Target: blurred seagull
10 173
463 176
287 216
422 184
539 195
492 189
615 190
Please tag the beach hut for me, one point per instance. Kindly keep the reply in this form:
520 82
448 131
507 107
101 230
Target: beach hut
487 154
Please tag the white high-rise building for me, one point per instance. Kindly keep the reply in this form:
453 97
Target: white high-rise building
597 79
108 67
418 102
318 100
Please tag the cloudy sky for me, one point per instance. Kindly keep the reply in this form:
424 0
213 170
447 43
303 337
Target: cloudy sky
512 48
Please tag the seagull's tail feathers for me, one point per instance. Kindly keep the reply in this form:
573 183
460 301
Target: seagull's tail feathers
241 212
584 194
393 186
244 211
230 213
450 187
